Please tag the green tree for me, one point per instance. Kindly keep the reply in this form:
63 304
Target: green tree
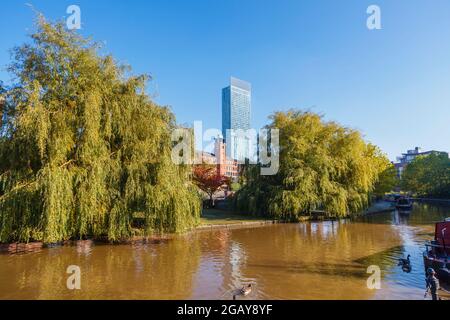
428 176
83 149
323 166
387 180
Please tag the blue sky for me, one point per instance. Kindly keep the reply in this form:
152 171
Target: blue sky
392 84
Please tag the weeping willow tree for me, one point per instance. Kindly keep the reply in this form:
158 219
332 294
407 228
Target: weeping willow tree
323 166
83 149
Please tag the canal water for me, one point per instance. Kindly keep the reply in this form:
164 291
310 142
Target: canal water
323 260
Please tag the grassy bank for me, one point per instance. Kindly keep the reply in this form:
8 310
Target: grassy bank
216 217
222 217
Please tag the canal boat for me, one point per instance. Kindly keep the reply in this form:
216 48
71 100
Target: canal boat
436 253
404 204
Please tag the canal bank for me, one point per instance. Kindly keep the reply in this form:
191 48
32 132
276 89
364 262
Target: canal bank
380 207
211 219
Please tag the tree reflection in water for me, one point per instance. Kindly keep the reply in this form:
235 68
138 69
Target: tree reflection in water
317 260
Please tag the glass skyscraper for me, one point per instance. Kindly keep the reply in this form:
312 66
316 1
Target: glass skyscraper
236 112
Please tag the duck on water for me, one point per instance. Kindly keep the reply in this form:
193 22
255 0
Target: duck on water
244 291
405 264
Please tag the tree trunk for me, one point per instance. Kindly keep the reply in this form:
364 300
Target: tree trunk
211 200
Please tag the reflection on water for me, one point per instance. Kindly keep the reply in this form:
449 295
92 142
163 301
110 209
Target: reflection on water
422 214
323 260
414 228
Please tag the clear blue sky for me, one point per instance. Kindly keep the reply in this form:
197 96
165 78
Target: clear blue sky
392 84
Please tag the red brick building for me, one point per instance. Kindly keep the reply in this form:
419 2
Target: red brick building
225 166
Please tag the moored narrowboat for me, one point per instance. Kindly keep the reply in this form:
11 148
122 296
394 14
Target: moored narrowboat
404 204
436 254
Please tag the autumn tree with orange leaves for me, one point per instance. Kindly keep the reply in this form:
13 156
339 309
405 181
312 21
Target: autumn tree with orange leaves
207 179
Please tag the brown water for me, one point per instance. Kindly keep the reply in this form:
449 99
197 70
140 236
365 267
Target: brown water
325 260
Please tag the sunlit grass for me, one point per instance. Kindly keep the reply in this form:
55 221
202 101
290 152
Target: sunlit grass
222 217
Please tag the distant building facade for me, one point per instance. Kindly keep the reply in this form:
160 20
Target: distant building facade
236 115
205 158
410 155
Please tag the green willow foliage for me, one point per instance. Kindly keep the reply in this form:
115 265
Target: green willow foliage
323 166
84 152
428 176
387 181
